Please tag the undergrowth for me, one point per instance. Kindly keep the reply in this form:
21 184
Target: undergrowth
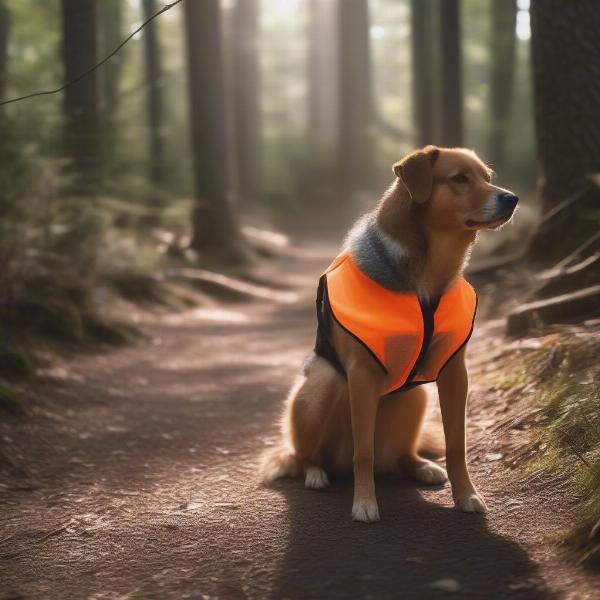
58 249
568 372
11 402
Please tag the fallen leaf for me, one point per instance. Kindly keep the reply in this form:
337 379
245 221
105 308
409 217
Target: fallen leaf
446 585
494 456
116 429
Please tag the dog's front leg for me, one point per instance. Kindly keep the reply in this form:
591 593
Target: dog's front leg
364 400
453 385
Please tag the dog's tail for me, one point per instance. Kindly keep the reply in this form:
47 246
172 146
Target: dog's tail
278 462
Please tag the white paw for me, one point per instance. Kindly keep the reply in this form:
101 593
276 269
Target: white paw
470 503
315 478
431 474
365 510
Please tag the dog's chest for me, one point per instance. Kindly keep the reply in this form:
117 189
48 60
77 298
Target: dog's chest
410 339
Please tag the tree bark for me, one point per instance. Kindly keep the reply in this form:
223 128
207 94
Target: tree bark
4 29
502 60
451 109
111 20
355 101
423 93
246 87
81 100
154 106
322 69
111 34
566 85
214 225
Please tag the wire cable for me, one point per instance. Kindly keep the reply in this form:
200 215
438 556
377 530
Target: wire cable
164 9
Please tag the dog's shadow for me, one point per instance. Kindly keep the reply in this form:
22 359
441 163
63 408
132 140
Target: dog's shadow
417 543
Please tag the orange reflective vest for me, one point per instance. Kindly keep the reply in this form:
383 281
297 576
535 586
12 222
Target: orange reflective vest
411 340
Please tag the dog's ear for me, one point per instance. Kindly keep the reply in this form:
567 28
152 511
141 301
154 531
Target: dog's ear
416 172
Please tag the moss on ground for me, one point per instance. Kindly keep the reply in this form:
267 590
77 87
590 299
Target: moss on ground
107 332
15 363
55 318
136 286
180 295
11 402
507 380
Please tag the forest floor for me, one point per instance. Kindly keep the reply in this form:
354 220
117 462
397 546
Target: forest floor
135 476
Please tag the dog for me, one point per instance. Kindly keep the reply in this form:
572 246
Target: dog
394 297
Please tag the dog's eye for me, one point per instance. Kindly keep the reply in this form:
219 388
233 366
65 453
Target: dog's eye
460 178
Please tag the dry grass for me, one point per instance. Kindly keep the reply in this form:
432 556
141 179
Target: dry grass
567 372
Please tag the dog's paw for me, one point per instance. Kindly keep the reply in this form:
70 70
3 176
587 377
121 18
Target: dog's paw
365 510
315 478
430 473
470 503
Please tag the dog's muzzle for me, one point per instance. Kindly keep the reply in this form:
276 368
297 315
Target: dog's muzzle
508 201
502 206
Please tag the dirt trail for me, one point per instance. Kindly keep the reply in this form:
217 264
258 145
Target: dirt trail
142 482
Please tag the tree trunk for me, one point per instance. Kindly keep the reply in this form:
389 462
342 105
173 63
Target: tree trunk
4 26
111 18
81 100
423 72
214 225
451 109
502 60
322 69
246 98
111 34
566 84
355 102
154 74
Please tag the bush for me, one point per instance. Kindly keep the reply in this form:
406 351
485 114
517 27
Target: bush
15 363
10 401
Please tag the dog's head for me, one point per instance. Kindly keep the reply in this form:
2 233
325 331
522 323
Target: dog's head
453 187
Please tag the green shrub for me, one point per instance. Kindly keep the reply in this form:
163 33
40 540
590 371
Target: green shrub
11 401
15 363
107 332
55 318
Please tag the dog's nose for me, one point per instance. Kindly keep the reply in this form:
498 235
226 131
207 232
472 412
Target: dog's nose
508 200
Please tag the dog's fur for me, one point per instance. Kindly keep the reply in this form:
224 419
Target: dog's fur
417 239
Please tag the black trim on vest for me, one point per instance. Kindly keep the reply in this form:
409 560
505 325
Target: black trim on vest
407 386
428 313
466 340
410 384
323 346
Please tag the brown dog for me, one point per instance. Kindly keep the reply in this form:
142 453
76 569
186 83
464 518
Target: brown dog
416 242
